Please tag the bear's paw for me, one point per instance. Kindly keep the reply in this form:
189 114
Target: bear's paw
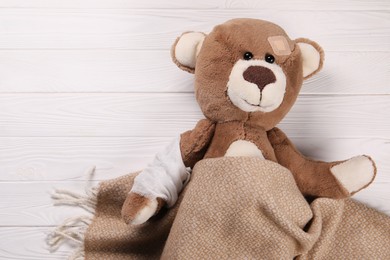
355 173
138 209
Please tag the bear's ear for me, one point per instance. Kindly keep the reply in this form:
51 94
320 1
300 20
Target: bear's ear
186 49
312 56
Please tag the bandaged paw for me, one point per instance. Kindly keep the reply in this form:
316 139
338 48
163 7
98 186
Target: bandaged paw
138 209
355 173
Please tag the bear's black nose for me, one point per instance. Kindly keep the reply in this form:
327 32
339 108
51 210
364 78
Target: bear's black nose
259 75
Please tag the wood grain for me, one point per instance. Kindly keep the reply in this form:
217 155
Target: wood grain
30 203
152 29
169 114
203 4
69 158
28 243
134 71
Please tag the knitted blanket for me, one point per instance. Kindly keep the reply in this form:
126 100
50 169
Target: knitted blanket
237 208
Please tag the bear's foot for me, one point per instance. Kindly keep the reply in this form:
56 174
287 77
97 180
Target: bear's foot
138 209
356 173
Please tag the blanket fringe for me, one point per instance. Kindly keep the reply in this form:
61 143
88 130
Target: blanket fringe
66 197
73 229
78 255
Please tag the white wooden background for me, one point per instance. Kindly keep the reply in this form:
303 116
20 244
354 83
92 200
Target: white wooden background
90 82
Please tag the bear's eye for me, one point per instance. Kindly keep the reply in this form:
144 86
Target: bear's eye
248 55
269 58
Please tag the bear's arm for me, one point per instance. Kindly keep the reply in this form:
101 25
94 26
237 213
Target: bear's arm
194 143
318 178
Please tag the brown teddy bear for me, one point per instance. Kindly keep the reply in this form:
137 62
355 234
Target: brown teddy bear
248 74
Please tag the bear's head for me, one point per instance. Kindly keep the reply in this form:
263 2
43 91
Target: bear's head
247 70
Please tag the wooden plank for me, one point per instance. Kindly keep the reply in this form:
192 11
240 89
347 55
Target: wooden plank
157 115
69 158
153 29
133 71
203 4
64 158
28 243
376 196
30 203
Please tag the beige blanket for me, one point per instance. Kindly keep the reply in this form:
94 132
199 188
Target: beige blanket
238 208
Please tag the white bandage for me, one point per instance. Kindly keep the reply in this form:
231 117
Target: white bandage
165 177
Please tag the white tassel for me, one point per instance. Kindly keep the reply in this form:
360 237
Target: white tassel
90 172
78 254
66 197
73 229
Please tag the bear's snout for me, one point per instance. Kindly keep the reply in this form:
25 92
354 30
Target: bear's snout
259 75
256 85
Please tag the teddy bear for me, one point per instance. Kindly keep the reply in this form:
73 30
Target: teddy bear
248 74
